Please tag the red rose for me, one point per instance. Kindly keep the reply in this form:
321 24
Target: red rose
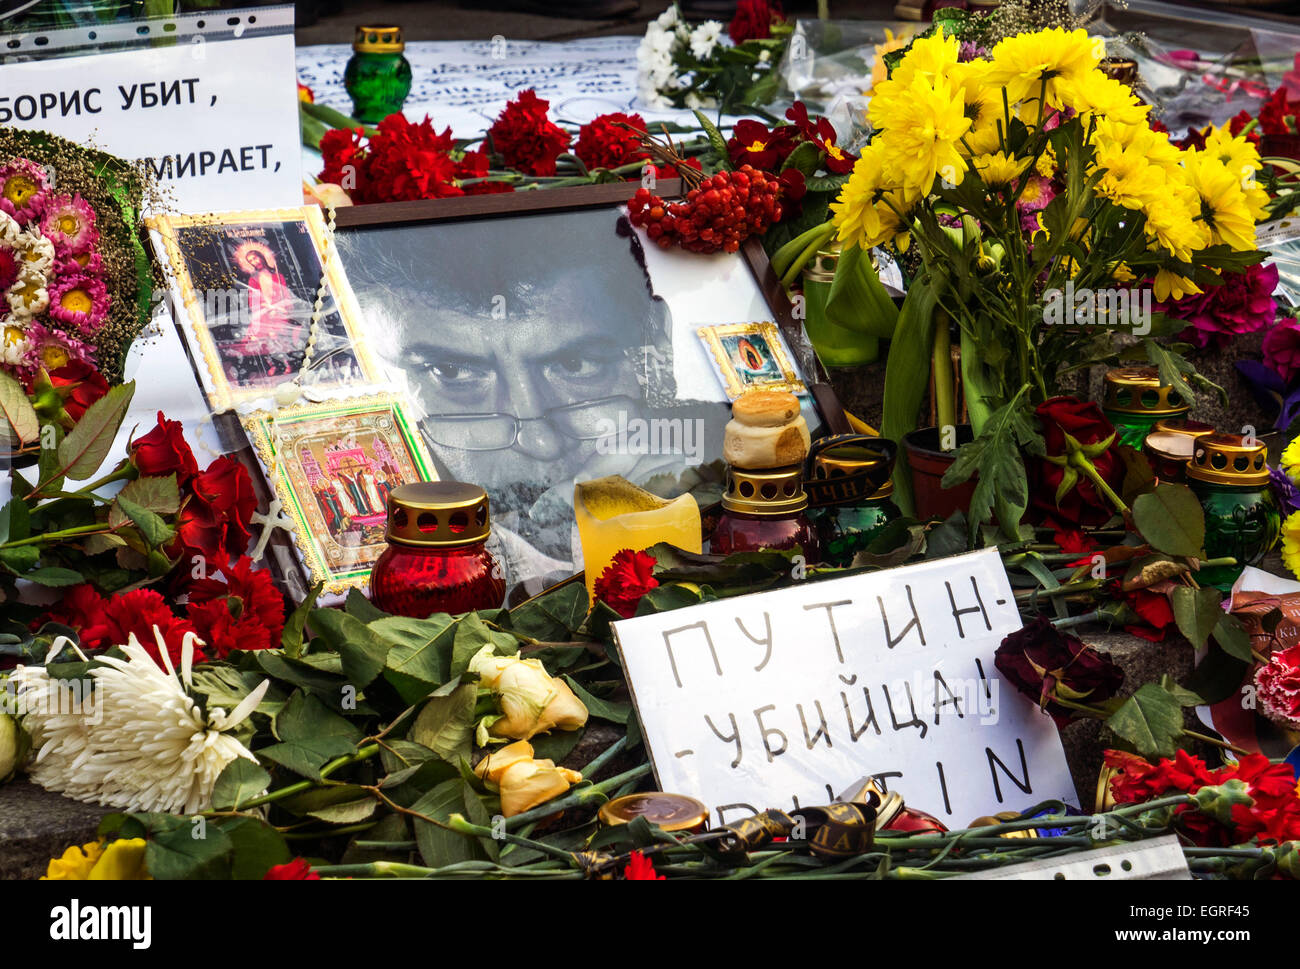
214 522
163 451
294 871
82 608
625 580
525 138
1082 504
753 20
244 612
1039 659
604 143
1149 605
80 384
753 143
141 611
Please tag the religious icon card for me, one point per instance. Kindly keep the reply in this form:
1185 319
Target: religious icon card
245 286
332 466
750 356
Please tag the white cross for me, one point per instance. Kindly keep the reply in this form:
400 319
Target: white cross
273 519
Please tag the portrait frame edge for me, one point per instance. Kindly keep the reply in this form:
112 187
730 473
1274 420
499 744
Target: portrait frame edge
257 427
712 335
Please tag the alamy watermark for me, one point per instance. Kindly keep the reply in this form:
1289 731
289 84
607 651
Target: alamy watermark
1098 307
651 435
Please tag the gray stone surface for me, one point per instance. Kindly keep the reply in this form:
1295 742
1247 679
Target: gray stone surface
36 825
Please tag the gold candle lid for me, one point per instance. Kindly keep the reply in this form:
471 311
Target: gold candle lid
1137 390
672 812
843 461
441 514
772 491
1122 69
823 265
386 39
1228 459
1170 445
1181 425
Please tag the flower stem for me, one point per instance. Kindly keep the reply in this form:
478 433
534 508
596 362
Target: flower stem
365 753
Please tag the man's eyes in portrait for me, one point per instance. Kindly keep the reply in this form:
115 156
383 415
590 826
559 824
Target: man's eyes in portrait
582 364
453 374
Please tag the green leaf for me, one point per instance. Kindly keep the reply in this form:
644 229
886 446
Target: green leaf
21 422
857 300
359 607
364 653
175 853
998 455
310 736
158 495
804 159
716 140
291 637
907 375
54 577
1184 696
21 559
349 812
1197 612
47 465
558 744
419 658
441 846
152 528
1232 637
84 449
241 781
471 636
1171 520
14 521
256 847
446 724
553 616
604 709
1151 719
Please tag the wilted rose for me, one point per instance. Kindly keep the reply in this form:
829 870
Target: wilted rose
13 746
532 701
1047 665
523 781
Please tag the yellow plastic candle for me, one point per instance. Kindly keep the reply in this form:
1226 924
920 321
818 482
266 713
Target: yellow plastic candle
614 514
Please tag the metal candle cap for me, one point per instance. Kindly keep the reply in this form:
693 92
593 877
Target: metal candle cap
385 39
1137 390
1181 425
772 491
1230 460
439 514
672 812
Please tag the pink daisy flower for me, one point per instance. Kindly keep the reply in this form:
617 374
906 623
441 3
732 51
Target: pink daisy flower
80 301
69 223
86 263
51 349
24 190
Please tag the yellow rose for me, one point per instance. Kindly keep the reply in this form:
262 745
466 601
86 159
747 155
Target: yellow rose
121 860
528 783
532 701
491 767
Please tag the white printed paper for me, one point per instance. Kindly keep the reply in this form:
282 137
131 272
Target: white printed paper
784 698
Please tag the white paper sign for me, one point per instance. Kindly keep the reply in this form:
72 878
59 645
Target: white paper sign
784 698
218 118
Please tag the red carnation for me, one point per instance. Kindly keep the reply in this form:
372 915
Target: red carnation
603 143
525 138
244 612
410 161
163 451
754 20
297 870
641 869
1278 115
80 384
138 613
474 165
1278 683
344 159
82 608
625 580
214 522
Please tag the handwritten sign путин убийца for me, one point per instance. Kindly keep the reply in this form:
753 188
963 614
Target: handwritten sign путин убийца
784 698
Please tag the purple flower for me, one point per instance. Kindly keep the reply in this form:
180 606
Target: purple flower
971 51
1243 304
1284 490
1282 349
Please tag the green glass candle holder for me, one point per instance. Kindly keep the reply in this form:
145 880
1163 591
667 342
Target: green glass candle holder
836 346
1135 401
1229 474
378 76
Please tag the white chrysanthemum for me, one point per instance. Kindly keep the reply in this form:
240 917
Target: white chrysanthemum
669 18
29 295
10 230
705 38
13 348
38 251
139 741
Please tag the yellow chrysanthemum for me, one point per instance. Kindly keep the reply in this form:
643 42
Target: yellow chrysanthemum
1169 285
930 57
893 42
1223 201
1104 97
1046 164
1127 178
1291 543
867 211
982 104
120 860
920 135
1122 274
1171 224
1057 58
1290 460
998 169
1155 146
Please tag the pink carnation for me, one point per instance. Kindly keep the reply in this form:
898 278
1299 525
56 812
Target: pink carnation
23 190
1243 304
80 301
1278 682
1282 349
69 223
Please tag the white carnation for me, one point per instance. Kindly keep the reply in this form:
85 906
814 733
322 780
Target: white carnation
704 39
